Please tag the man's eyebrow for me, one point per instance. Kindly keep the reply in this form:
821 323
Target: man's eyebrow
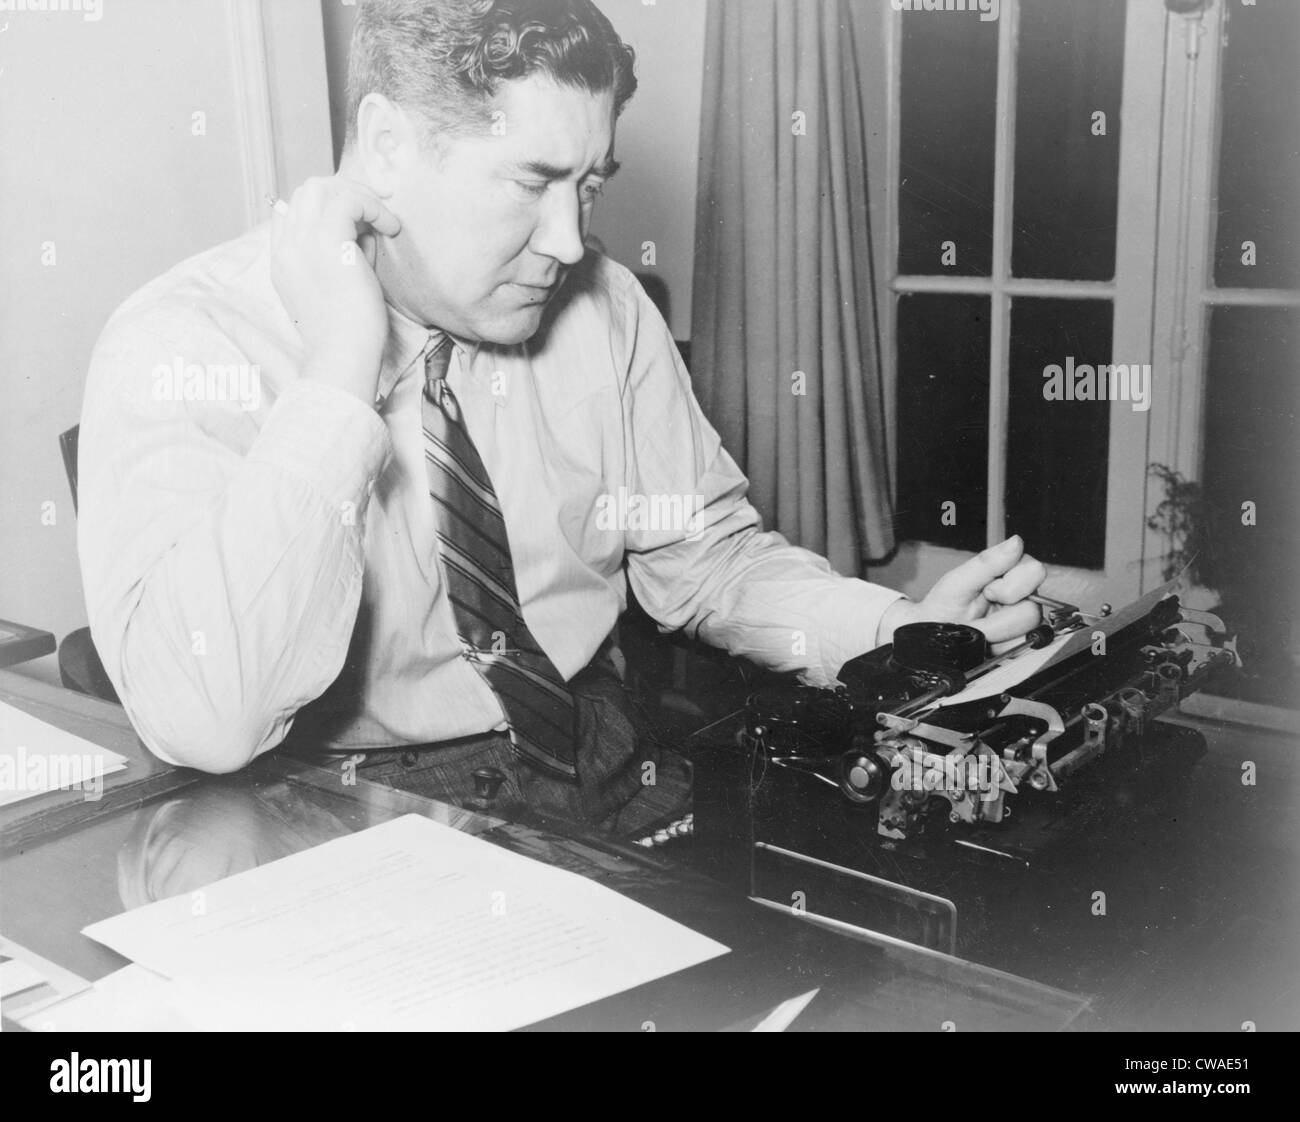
606 169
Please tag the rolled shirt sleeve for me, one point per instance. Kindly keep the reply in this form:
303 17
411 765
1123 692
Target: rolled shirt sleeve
721 577
221 547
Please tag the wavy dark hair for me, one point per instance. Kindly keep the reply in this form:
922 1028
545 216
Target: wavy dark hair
445 59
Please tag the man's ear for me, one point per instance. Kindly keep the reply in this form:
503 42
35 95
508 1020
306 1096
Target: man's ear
385 142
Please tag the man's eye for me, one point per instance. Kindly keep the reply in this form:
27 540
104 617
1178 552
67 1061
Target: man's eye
532 188
590 191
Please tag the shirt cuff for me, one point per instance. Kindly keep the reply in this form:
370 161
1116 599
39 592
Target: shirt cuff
853 621
323 435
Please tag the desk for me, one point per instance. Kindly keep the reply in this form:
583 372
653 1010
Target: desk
22 644
1163 881
158 831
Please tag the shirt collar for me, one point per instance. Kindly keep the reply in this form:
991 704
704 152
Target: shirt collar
407 343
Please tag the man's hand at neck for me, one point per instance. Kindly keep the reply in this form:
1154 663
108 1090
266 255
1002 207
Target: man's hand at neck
324 248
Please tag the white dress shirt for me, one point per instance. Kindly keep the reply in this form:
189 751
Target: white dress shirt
245 532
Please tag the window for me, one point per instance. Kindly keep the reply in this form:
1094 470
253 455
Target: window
1228 322
1096 183
1018 217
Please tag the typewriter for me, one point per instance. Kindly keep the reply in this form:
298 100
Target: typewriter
940 776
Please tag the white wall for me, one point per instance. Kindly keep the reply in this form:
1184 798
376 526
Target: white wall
99 156
653 198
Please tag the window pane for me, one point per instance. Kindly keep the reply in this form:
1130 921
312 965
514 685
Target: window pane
1057 449
943 408
1070 66
1259 153
947 93
1252 445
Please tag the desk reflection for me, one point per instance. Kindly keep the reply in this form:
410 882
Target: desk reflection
214 831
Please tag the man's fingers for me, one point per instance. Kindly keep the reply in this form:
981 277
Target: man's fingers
365 209
1025 577
968 580
369 247
1010 623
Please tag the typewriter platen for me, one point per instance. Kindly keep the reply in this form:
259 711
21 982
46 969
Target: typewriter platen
897 781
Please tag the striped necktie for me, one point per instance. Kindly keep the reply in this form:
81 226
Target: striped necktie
480 578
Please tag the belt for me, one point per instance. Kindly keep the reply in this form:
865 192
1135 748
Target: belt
316 754
604 658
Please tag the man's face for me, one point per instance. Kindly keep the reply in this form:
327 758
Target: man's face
491 223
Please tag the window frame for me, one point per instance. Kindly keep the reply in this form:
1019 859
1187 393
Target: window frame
1132 292
1186 292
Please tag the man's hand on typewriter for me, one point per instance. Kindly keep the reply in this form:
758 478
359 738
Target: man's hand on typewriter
987 592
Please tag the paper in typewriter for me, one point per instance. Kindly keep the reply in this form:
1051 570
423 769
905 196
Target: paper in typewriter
406 925
1004 678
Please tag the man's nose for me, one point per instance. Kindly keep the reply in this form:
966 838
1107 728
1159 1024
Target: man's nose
560 234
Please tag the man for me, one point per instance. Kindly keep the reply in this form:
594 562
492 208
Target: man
395 548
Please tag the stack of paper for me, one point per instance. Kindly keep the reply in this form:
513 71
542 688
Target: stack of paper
407 925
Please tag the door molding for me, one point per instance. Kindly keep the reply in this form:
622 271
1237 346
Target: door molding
253 104
281 98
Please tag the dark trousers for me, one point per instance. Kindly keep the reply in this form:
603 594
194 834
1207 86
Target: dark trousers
628 782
